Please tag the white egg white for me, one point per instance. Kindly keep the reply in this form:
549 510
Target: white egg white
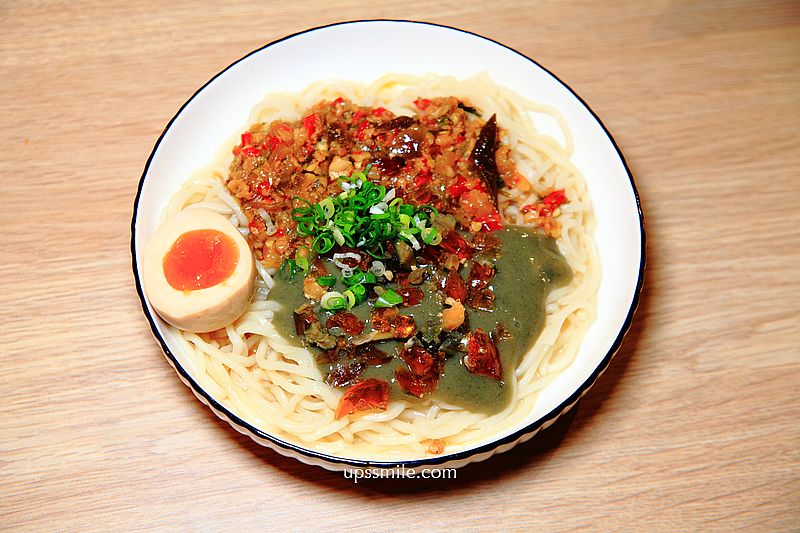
199 310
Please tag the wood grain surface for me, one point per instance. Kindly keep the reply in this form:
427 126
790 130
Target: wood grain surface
695 426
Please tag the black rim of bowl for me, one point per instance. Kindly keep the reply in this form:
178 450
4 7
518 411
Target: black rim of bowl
529 429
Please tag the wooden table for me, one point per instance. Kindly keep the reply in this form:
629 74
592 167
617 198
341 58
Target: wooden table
696 425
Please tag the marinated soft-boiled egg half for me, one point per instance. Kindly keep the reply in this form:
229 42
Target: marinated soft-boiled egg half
199 273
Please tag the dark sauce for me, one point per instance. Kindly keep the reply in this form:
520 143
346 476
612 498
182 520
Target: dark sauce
529 266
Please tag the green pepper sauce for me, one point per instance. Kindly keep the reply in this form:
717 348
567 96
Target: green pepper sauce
528 268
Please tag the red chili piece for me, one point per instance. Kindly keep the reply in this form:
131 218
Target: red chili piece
459 188
422 103
347 321
548 204
480 275
455 287
411 296
310 125
423 179
263 187
256 225
418 359
491 222
482 355
345 374
416 385
369 394
454 243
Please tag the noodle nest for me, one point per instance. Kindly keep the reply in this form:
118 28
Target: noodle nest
278 388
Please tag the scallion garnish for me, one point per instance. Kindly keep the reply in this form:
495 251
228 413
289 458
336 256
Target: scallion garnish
326 281
288 270
360 217
359 276
389 298
333 300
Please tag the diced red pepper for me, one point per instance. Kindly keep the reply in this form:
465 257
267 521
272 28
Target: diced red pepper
454 243
263 187
491 222
377 111
368 394
271 143
310 125
280 232
422 179
247 138
460 188
361 129
422 103
548 204
251 151
481 186
358 116
256 225
555 199
338 101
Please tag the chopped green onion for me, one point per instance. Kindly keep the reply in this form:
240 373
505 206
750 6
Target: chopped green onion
363 215
333 300
326 281
288 270
355 277
322 244
359 291
350 297
429 235
338 236
388 299
328 209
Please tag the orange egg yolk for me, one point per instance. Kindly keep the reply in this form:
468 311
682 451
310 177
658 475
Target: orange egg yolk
200 259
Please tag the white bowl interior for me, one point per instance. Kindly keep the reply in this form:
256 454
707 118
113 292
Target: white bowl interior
221 109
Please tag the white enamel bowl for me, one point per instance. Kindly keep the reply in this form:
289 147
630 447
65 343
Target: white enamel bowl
221 107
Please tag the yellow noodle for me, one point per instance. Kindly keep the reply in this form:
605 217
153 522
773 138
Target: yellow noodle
278 387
